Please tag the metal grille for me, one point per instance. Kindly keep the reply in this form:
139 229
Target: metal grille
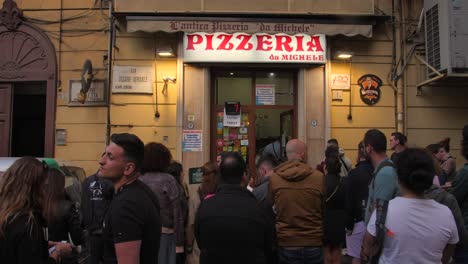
432 37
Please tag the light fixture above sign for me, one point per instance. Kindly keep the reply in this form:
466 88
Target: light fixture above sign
165 52
344 55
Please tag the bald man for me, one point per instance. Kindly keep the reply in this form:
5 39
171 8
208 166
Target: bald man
297 191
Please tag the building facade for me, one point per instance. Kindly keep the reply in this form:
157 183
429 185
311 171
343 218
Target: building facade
174 72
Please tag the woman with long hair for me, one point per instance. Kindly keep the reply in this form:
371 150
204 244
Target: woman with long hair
335 214
357 192
61 214
157 159
21 215
416 229
176 170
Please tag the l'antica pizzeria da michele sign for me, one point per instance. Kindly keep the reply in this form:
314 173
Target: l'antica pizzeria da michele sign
261 47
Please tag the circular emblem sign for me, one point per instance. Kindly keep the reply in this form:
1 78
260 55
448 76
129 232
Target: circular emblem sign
370 88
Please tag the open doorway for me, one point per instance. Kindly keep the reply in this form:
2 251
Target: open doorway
268 112
28 117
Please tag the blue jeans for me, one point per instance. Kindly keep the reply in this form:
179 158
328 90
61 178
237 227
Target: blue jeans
460 256
306 255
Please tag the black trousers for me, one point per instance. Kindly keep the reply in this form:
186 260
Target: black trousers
96 249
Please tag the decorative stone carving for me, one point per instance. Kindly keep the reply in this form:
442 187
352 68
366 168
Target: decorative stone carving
20 53
10 15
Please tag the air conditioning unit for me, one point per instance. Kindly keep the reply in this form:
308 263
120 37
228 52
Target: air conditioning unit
447 36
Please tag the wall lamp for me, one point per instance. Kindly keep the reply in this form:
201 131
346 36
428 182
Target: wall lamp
344 55
166 52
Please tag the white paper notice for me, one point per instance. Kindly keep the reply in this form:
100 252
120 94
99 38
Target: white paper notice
265 94
231 120
191 140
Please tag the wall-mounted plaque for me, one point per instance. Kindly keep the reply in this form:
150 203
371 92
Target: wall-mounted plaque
96 95
132 79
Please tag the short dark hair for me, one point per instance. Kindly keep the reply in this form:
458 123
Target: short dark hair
415 169
269 160
376 139
333 141
175 169
464 142
232 168
400 137
332 160
132 145
157 158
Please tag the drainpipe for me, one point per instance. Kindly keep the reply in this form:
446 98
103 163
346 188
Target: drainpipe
109 70
400 115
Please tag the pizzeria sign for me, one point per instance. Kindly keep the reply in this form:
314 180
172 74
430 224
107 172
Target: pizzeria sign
264 48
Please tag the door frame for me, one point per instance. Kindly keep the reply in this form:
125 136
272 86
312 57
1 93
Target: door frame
5 140
251 108
40 66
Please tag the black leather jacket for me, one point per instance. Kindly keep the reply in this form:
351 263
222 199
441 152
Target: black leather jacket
67 220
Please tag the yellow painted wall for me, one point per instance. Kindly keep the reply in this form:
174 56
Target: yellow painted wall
371 56
248 6
84 38
135 113
81 38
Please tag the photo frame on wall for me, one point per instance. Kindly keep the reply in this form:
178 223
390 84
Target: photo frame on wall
97 94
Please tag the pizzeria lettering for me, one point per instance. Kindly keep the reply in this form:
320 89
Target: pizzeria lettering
260 47
261 43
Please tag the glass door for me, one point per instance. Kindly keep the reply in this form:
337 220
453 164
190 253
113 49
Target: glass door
268 113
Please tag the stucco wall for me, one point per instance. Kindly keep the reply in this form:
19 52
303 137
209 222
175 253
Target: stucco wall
371 56
81 39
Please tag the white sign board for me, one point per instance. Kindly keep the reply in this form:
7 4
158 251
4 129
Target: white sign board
192 140
232 120
132 79
265 94
261 47
340 82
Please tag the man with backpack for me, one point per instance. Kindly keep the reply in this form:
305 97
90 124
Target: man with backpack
384 185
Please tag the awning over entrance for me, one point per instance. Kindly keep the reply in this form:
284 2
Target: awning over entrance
152 24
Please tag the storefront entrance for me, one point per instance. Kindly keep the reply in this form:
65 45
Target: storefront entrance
268 112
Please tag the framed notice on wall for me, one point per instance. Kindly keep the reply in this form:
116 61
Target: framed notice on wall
97 93
133 79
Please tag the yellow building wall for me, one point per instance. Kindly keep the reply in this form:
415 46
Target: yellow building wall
371 56
135 113
81 36
248 6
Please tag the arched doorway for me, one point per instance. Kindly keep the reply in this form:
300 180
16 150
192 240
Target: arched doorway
28 76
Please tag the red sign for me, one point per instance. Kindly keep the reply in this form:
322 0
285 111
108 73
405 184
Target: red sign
242 47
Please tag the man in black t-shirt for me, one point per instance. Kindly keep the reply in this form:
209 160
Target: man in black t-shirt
132 226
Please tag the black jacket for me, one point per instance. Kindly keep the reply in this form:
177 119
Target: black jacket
67 220
23 241
96 197
230 227
357 190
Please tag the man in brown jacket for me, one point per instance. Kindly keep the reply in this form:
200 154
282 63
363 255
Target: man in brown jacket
297 192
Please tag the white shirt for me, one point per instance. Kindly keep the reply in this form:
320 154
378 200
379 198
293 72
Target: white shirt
418 231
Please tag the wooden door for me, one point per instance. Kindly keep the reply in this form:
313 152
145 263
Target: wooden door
5 118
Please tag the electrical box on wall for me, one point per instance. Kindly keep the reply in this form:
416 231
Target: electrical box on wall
446 31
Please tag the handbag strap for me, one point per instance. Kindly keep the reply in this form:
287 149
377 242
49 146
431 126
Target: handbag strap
334 191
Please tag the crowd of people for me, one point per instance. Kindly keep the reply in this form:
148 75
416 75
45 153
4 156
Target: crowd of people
411 207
